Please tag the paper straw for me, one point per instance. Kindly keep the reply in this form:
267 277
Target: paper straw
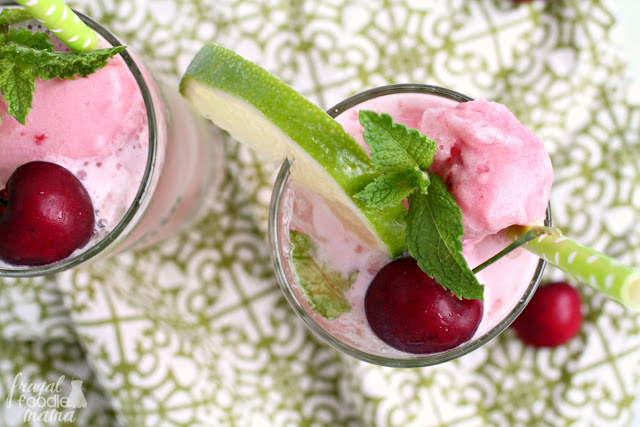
588 266
60 20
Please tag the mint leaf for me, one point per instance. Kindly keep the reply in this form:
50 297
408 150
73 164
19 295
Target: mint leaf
434 230
26 55
28 39
434 221
323 288
391 189
12 16
17 86
401 154
394 147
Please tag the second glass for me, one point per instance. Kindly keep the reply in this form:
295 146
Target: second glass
175 156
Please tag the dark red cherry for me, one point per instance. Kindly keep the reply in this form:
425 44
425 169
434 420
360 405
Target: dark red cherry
552 317
411 312
47 215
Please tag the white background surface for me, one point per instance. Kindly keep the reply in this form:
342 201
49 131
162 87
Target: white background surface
629 14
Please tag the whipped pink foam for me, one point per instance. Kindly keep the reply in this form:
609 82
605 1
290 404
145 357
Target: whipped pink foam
506 280
96 127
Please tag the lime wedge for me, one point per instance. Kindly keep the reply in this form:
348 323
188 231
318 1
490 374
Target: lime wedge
263 112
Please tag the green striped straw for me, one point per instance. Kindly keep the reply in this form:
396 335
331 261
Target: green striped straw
63 22
588 266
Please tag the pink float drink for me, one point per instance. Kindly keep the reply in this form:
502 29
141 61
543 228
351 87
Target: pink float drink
147 160
509 283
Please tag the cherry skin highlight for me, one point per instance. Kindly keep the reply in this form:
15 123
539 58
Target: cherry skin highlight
552 317
48 215
411 312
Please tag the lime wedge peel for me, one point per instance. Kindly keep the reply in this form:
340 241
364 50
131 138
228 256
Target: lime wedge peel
263 112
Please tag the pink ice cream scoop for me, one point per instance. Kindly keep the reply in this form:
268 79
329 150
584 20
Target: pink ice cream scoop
76 119
496 168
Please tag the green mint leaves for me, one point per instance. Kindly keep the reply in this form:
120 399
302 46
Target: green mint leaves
391 189
434 230
434 220
394 147
323 288
13 16
401 154
26 55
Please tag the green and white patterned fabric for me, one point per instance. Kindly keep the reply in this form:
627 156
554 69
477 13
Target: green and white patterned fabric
195 332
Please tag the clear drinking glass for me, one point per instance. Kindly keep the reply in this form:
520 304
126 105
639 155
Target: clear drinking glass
281 212
183 168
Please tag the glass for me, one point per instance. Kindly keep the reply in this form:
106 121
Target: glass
280 209
184 166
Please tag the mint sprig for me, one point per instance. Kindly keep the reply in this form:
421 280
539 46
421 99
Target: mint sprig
434 220
394 147
13 16
323 288
26 55
433 233
390 189
401 154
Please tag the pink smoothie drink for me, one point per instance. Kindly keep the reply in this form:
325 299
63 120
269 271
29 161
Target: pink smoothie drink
146 159
498 172
102 138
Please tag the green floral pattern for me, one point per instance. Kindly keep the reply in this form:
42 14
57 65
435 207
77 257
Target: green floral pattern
196 332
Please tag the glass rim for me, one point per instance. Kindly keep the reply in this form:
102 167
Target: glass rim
287 288
145 183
